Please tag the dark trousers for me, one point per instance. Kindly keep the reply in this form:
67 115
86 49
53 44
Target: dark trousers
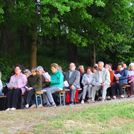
116 89
13 97
30 96
109 92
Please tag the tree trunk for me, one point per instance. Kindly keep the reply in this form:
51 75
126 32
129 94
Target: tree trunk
34 51
72 53
94 54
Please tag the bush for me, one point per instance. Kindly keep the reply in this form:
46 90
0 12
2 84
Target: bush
5 68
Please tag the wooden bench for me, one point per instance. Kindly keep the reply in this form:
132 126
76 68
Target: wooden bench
3 96
126 88
38 96
62 95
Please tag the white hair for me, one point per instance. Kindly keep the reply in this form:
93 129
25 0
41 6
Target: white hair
40 68
131 64
101 62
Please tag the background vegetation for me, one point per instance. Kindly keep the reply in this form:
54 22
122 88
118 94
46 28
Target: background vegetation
83 31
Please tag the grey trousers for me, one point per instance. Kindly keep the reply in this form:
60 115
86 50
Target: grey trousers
49 92
72 95
87 89
103 89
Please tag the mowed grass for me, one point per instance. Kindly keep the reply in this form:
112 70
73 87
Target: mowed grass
101 118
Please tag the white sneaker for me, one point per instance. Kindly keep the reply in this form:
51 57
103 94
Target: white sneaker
82 102
114 97
122 96
103 100
13 109
108 97
88 100
40 106
27 106
8 109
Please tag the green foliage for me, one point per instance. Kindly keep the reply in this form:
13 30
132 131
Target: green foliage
1 12
5 68
107 24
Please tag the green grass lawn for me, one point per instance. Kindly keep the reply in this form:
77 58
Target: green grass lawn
107 118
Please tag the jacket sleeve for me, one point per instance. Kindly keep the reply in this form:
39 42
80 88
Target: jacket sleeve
107 78
83 80
76 82
124 76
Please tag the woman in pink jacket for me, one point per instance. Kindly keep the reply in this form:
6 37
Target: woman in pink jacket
16 87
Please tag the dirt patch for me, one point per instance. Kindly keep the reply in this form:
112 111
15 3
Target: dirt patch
117 121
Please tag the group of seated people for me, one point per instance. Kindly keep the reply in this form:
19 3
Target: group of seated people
99 80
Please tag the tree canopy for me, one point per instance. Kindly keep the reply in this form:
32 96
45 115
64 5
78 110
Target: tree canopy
82 31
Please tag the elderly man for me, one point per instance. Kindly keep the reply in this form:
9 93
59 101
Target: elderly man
73 78
101 81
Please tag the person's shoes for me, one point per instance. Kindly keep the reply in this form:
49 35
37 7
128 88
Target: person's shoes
8 109
33 106
100 98
13 109
71 104
114 97
82 102
27 106
53 105
122 96
88 100
93 101
40 106
103 100
108 98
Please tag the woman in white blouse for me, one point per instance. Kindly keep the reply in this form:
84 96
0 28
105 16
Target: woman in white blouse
87 84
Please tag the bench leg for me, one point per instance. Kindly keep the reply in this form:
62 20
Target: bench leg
37 99
62 99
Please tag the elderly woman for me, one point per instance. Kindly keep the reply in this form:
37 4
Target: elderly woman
34 84
131 76
16 87
56 83
87 84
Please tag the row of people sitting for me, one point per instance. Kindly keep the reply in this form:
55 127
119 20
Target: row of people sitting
101 78
110 83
